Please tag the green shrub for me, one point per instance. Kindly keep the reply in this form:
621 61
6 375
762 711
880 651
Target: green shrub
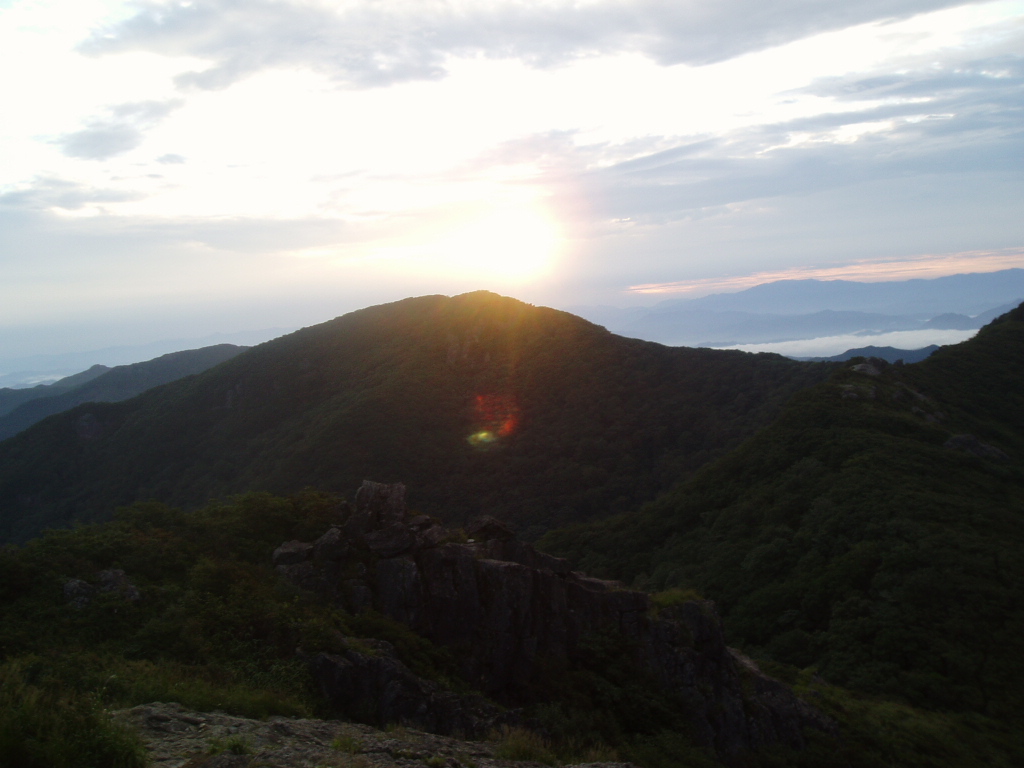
233 745
674 596
48 727
348 743
521 744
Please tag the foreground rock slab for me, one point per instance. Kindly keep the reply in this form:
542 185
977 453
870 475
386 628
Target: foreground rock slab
177 737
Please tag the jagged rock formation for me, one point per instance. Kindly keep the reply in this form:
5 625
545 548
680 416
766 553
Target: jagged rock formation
78 593
508 612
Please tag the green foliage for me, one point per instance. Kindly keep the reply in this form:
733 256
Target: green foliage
602 423
848 537
46 726
421 656
232 745
604 703
347 743
880 732
674 596
215 628
668 749
521 744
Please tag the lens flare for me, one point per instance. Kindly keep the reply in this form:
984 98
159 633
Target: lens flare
498 417
482 438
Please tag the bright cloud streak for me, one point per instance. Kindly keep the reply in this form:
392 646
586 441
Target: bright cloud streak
921 267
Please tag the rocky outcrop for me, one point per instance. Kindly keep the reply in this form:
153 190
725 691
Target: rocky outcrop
509 612
176 737
375 687
79 593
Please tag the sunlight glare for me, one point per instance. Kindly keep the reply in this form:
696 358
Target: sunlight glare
504 243
515 244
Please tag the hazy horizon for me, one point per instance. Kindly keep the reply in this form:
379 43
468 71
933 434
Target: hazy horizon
28 370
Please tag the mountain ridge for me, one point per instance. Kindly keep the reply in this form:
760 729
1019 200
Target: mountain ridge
789 310
873 531
101 384
967 293
479 401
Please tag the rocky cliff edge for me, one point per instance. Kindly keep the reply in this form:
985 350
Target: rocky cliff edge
511 614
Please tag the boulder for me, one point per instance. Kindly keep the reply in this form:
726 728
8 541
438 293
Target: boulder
489 529
384 502
331 546
432 537
390 541
292 552
78 592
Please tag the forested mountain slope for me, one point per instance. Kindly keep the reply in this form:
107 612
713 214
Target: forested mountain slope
480 403
112 384
875 531
11 398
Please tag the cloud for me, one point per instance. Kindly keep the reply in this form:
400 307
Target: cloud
369 44
170 159
122 130
866 270
47 193
963 118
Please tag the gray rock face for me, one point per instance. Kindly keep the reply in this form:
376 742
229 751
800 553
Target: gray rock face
79 593
385 503
867 369
378 689
391 540
292 552
489 529
507 610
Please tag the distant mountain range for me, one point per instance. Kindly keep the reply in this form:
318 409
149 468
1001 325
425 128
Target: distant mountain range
789 310
25 372
968 294
889 354
11 399
21 408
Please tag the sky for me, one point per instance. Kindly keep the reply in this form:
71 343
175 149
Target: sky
175 169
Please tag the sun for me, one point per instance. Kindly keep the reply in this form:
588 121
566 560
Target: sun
482 243
512 243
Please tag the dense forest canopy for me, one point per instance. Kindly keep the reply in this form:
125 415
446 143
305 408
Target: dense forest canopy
874 532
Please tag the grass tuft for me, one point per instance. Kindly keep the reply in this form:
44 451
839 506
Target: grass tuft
521 744
347 743
233 745
49 727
